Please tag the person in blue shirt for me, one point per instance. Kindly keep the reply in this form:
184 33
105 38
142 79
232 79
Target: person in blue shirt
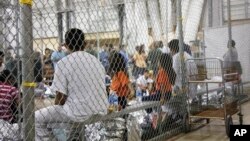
124 54
57 56
104 57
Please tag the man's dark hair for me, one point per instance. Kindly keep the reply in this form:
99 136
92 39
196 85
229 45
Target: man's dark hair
174 45
1 54
117 63
74 39
233 43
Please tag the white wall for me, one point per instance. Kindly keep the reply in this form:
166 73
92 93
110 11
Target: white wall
216 42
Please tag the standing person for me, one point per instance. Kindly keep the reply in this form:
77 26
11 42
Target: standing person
124 53
140 61
230 56
104 57
190 67
164 80
2 65
231 63
9 97
79 84
165 77
153 57
120 84
57 56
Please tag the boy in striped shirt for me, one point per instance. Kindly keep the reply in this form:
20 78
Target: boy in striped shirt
8 96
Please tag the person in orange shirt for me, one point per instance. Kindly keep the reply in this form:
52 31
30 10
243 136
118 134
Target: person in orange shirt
164 80
120 83
140 61
165 77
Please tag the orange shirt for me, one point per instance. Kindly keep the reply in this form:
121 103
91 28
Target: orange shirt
119 84
163 79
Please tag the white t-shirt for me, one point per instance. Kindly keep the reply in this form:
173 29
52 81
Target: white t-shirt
81 77
191 69
141 81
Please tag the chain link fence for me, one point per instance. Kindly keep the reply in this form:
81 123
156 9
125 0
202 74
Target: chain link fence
109 69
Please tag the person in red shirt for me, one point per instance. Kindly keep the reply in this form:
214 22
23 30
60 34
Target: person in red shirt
9 97
120 83
165 78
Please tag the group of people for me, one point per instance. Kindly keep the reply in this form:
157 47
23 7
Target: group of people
79 80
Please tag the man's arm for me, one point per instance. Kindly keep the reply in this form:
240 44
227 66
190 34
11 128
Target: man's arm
60 98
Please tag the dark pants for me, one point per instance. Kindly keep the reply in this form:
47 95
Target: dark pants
122 101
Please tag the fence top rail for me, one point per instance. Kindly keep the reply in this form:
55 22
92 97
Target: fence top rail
133 108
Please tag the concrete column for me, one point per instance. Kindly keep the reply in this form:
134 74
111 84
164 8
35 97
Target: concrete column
141 23
131 26
164 19
153 9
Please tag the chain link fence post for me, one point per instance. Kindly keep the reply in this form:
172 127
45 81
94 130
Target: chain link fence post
26 38
229 26
181 43
59 20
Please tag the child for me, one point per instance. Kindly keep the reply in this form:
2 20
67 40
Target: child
164 80
120 83
142 84
9 97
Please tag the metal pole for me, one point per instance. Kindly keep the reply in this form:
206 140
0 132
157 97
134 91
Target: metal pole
26 39
59 20
17 49
181 43
229 25
210 13
68 14
121 15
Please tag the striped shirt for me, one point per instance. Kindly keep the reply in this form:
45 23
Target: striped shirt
8 94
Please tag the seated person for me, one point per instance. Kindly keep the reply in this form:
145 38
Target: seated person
164 80
9 97
120 84
151 83
79 84
142 84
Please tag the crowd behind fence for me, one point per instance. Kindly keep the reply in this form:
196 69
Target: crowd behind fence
103 70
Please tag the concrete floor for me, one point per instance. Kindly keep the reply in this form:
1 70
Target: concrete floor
215 131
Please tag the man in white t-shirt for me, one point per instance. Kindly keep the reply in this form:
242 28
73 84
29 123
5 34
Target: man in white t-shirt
190 67
79 84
